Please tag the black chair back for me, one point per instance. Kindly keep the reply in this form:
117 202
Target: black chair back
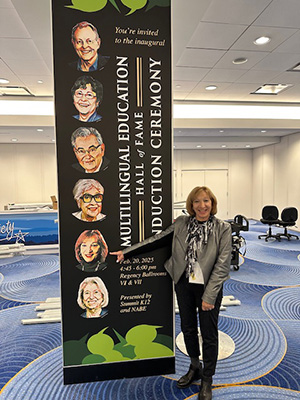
270 213
289 214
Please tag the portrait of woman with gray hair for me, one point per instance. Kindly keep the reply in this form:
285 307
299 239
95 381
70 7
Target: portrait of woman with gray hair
88 194
93 297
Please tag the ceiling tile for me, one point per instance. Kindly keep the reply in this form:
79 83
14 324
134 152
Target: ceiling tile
291 45
179 95
215 36
200 58
223 75
189 74
200 88
208 96
255 76
11 26
277 62
44 89
240 89
6 4
288 77
16 49
29 67
284 13
184 86
191 13
7 73
253 58
235 11
277 35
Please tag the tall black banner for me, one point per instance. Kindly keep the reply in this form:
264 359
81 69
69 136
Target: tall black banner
112 69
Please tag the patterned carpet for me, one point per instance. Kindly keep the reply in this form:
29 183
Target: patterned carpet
265 364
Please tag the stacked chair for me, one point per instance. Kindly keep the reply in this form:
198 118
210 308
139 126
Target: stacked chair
270 216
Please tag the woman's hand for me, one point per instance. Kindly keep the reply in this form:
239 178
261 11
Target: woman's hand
207 306
119 254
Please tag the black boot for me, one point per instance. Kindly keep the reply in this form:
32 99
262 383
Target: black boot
192 375
205 391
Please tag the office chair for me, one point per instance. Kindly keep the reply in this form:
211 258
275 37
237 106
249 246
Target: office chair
289 217
270 217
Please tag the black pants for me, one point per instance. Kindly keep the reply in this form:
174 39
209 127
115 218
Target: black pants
189 297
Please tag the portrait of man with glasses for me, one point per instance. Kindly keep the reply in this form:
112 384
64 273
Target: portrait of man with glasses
86 42
87 95
88 194
89 149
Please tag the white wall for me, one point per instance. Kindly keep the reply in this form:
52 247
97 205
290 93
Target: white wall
268 175
28 173
239 166
276 175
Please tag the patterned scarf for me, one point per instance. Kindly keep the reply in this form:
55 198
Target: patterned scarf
197 236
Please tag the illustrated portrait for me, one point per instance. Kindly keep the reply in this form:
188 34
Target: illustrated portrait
89 150
93 297
87 95
88 194
91 251
86 42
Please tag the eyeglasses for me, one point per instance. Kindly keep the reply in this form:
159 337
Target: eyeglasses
80 42
91 150
87 198
80 94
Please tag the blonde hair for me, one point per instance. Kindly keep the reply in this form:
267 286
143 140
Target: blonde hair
194 193
97 281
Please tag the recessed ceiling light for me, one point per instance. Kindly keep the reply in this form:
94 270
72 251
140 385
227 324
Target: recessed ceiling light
211 87
14 140
40 130
262 40
248 145
263 131
223 145
221 131
3 80
40 81
272 88
199 145
240 60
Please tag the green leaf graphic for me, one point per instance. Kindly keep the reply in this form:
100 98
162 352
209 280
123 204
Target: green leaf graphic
93 359
100 343
159 3
113 2
134 5
75 351
141 334
88 5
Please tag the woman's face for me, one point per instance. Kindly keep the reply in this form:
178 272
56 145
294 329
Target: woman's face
202 206
91 204
92 297
89 249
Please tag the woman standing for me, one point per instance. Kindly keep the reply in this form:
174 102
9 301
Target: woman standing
199 265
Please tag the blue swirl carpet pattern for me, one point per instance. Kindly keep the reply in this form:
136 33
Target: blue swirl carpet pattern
265 364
